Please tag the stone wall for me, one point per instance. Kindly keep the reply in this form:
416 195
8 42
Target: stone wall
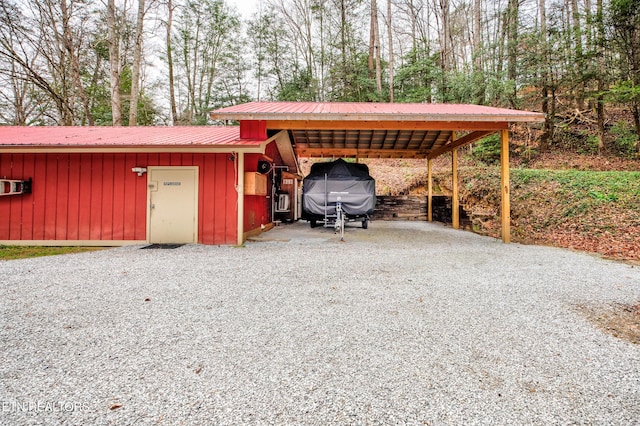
405 207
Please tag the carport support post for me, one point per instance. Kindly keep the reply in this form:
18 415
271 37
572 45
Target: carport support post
240 191
455 203
505 210
429 192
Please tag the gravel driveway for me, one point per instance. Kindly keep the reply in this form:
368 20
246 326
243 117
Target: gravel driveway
404 323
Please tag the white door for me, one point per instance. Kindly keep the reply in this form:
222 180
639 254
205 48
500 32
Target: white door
173 205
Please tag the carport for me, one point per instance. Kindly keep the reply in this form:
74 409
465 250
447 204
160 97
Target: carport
383 130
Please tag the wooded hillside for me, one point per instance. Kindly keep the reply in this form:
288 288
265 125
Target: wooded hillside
80 62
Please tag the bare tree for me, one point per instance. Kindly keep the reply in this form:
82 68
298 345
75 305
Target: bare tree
547 105
578 53
478 52
512 14
206 34
172 91
390 37
135 67
374 47
72 48
114 61
600 43
45 48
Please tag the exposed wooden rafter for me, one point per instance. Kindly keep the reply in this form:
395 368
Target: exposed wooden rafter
330 152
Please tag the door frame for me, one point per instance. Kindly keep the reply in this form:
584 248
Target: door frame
197 197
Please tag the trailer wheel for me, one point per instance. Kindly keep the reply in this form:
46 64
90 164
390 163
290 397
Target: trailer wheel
313 223
365 224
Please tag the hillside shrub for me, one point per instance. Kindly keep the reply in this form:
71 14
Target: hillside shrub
624 140
487 149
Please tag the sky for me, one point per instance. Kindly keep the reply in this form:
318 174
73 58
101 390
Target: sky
246 7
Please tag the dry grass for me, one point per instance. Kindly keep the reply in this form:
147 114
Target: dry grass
23 252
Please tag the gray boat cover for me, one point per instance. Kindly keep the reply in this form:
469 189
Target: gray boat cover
338 180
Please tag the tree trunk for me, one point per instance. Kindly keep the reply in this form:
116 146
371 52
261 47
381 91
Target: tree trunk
477 52
579 55
376 26
547 134
323 54
68 42
372 38
600 35
636 122
445 48
172 91
135 67
343 44
114 61
390 37
512 46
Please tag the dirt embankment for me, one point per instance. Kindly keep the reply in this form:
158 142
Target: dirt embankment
596 212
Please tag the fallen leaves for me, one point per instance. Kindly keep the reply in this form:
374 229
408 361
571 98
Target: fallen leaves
619 320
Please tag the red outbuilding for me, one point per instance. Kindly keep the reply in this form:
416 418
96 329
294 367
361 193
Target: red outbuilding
216 185
133 185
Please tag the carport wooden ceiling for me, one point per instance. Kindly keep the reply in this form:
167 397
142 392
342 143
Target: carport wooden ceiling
376 130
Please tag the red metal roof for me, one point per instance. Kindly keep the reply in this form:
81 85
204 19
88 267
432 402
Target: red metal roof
365 111
114 137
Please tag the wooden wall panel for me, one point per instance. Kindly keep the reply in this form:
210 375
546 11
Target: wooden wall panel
106 226
142 160
85 193
120 186
73 205
231 195
5 203
96 196
15 214
219 189
50 197
27 201
62 197
258 208
95 221
39 197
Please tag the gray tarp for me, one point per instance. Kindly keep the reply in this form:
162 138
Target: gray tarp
348 181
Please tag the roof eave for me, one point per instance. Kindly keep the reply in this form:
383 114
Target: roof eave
511 118
253 148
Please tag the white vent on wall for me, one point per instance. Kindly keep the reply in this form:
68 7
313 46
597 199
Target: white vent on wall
283 203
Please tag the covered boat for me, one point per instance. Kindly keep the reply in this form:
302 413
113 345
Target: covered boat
330 182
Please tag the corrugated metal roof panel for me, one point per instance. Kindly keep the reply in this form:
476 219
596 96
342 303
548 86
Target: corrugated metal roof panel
187 136
364 111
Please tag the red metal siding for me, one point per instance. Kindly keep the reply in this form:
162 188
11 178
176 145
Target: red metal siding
97 196
253 129
257 209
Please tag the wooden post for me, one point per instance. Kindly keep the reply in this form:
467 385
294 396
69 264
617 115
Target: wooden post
429 192
455 202
240 192
505 210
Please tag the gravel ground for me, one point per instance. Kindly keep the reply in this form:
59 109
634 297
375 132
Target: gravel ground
404 323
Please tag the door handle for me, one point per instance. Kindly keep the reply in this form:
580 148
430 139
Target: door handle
153 206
